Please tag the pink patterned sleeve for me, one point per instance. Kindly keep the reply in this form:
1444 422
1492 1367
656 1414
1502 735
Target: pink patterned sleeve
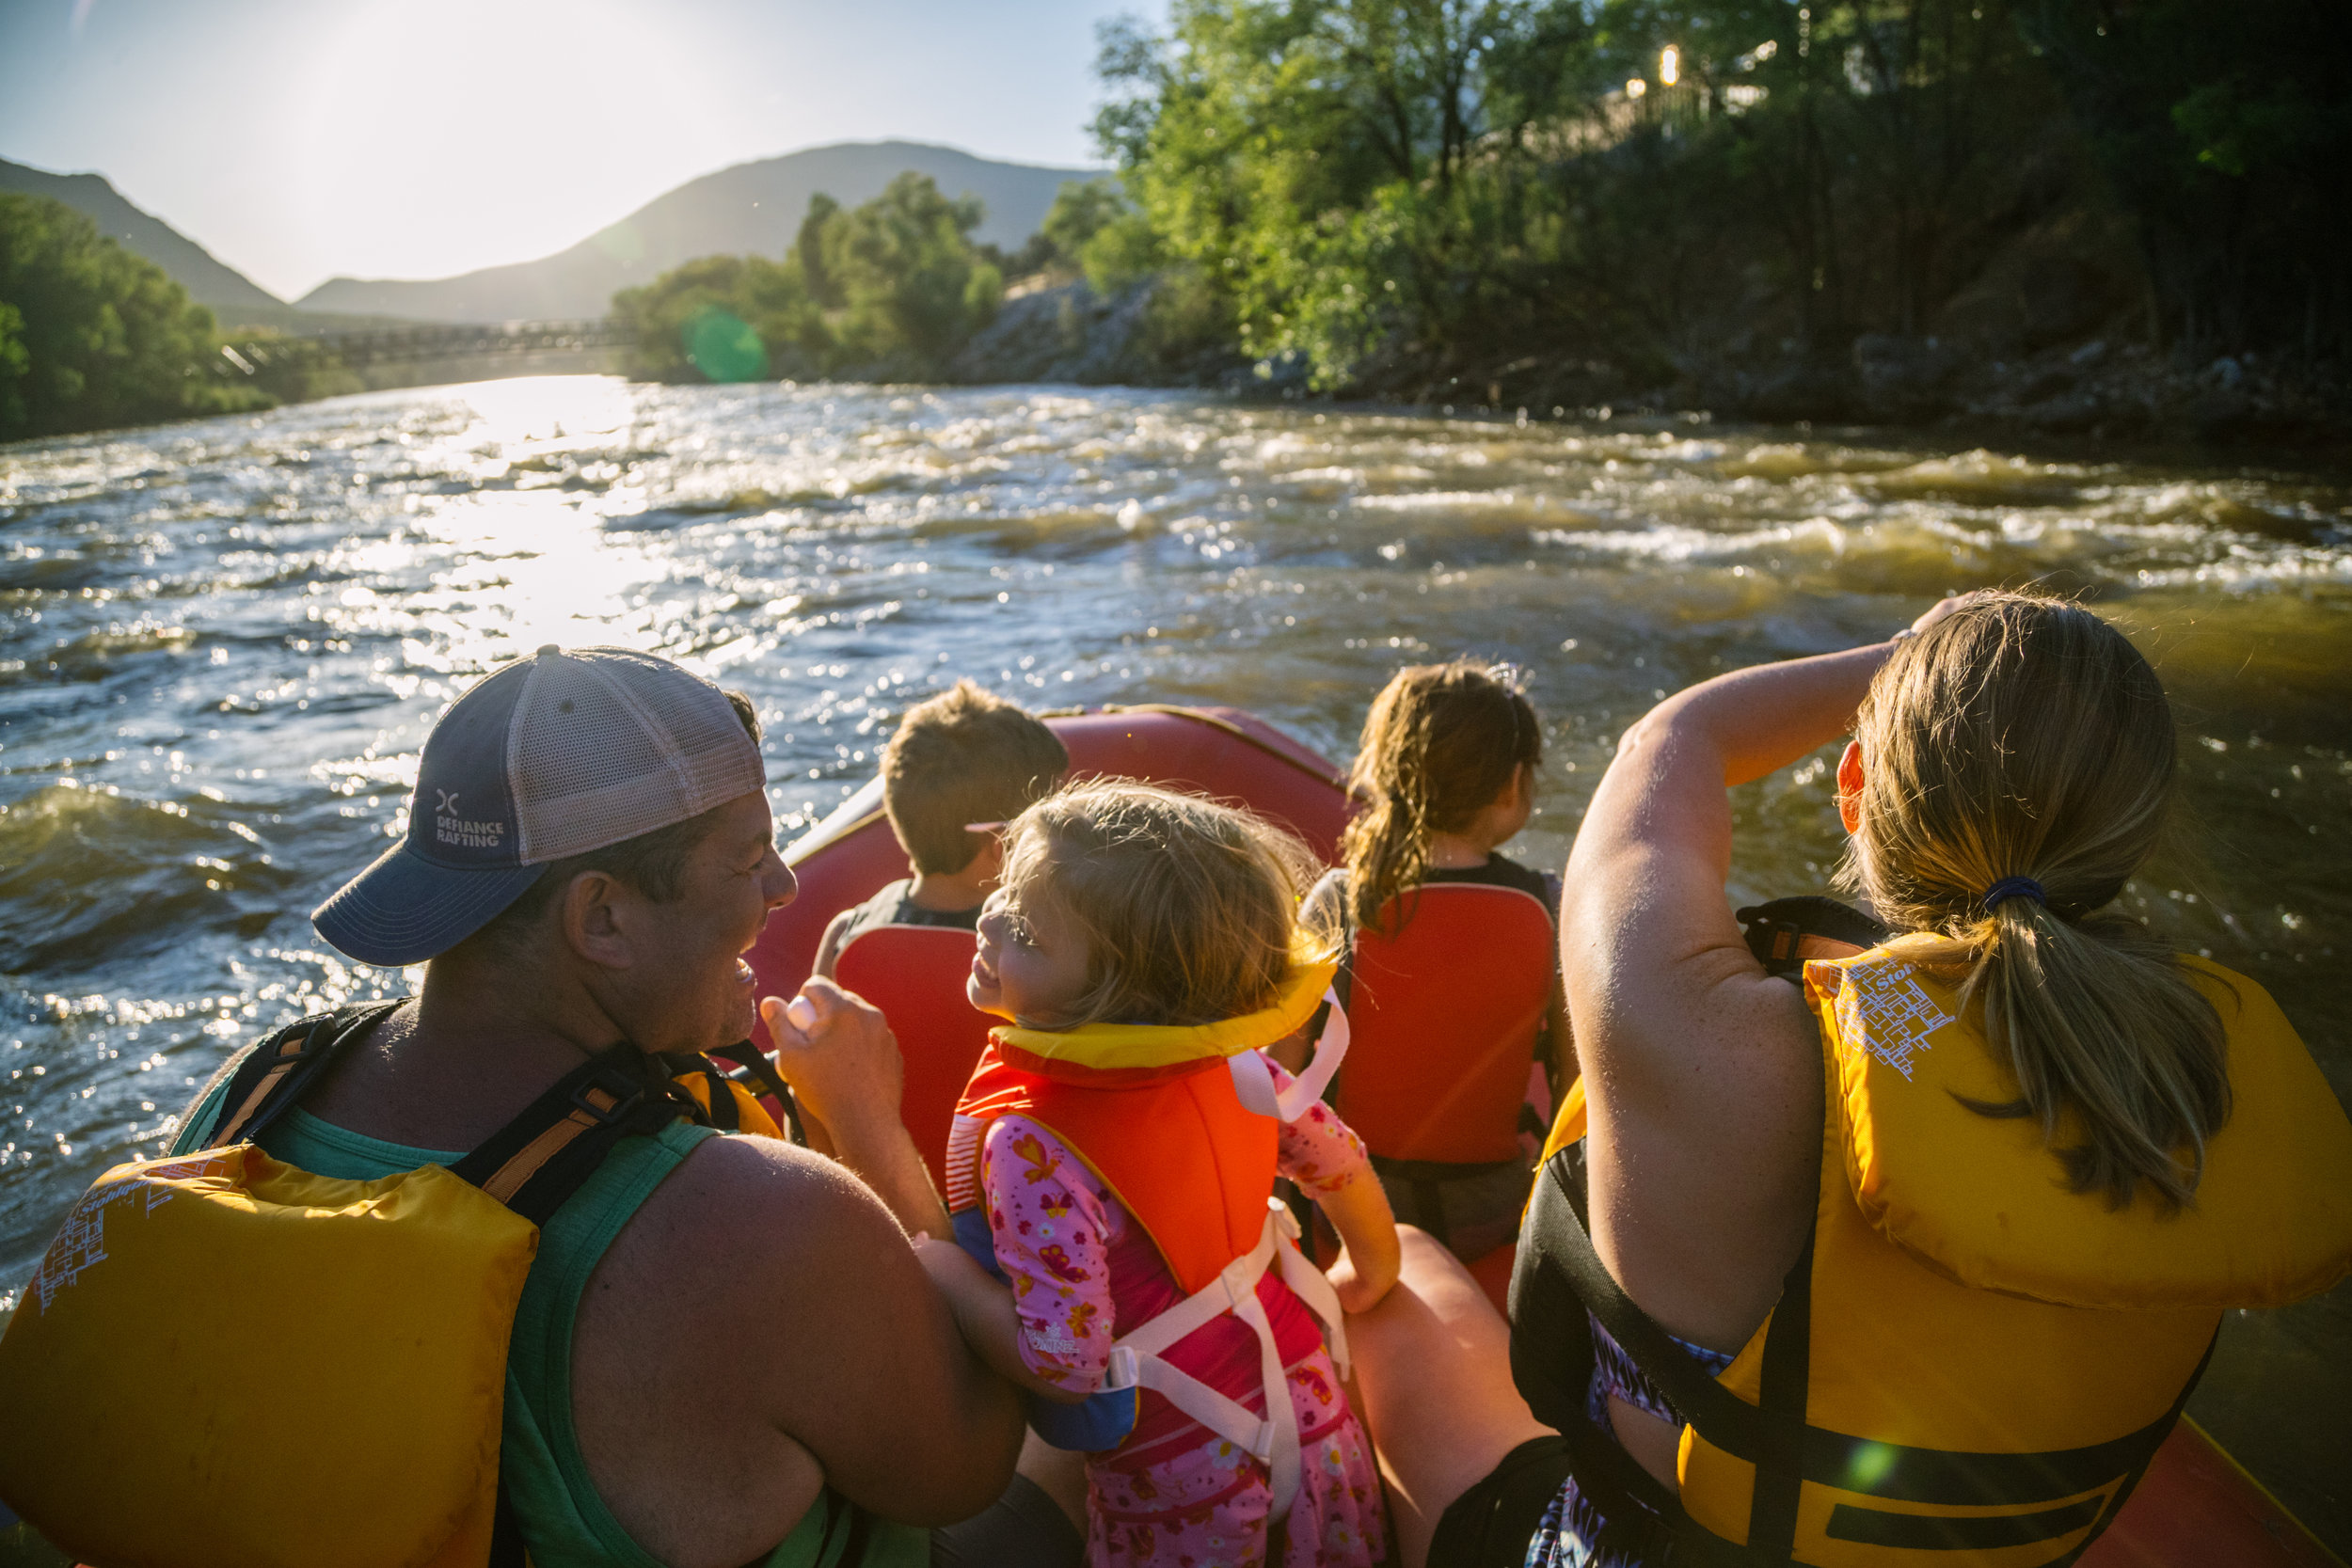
1319 1151
1047 1213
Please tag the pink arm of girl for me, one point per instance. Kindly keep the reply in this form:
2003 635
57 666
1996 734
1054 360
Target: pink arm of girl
1325 1157
984 1314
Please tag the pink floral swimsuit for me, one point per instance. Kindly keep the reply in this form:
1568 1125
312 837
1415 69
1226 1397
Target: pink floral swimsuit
1175 1494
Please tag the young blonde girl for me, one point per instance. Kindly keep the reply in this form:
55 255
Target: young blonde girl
1143 946
1445 771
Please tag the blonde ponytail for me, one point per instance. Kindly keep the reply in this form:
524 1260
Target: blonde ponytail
2024 741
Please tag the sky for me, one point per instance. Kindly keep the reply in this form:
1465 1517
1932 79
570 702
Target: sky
300 139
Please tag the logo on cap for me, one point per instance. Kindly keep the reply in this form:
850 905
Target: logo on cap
457 833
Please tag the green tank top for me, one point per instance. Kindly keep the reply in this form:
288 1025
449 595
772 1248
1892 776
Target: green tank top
565 1521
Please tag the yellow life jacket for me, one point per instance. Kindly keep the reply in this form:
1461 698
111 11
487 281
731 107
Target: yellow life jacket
1968 1358
225 1358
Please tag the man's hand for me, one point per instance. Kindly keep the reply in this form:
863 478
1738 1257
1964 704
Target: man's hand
836 1050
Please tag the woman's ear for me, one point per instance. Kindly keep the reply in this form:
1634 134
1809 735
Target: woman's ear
1850 786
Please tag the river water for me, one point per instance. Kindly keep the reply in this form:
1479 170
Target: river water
221 644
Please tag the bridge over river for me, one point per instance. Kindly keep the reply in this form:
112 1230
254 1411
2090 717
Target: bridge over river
428 352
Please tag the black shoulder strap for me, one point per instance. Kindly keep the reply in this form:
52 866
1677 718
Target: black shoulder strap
1560 1240
539 1159
1776 931
1552 1361
275 1073
1558 1272
750 1062
685 1066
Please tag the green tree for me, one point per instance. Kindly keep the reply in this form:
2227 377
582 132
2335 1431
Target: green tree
900 287
809 251
1422 188
913 288
2227 130
92 336
1081 209
724 318
1352 175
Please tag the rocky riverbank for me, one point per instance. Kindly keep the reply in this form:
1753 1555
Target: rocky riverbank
2053 354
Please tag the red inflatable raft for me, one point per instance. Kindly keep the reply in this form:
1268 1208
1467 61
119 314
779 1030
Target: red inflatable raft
2196 1506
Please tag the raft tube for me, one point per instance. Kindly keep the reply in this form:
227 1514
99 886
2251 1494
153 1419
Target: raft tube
2195 1508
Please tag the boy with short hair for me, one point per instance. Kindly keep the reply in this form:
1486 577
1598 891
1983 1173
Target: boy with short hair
966 756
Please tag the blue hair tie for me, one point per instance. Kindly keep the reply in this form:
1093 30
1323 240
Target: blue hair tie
2013 887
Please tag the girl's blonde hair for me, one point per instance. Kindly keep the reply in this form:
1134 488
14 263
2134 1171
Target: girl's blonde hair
2025 738
1188 907
1440 743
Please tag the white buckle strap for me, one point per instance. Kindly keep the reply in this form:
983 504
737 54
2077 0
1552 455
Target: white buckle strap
1253 1080
1136 1358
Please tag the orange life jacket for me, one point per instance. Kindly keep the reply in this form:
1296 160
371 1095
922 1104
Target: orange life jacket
1182 1126
1197 1183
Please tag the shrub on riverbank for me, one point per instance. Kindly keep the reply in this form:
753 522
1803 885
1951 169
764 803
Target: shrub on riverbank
1541 200
887 290
93 336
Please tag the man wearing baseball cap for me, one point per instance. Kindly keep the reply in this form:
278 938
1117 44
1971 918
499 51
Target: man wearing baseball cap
726 1351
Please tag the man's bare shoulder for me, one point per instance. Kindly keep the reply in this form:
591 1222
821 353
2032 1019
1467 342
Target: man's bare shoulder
767 1202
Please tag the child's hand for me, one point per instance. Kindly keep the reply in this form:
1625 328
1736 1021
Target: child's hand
836 1050
1358 1292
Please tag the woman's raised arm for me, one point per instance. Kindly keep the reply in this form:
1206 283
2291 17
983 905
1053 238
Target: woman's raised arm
1702 1075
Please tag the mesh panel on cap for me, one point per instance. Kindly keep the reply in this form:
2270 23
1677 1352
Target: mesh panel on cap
642 744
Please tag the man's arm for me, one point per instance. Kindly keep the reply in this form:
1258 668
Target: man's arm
836 1341
884 1392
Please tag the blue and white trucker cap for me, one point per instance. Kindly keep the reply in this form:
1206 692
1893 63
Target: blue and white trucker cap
557 754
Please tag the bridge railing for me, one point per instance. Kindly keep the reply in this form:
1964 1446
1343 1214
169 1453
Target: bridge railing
424 340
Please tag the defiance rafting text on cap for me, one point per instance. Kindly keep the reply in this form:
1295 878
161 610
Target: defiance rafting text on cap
554 755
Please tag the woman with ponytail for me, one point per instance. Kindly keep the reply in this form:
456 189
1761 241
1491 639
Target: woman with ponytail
1917 1246
1449 973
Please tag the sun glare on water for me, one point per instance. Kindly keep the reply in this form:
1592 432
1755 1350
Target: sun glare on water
529 566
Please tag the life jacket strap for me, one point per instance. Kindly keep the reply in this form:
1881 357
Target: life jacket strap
538 1159
1138 1357
751 1063
1786 932
273 1076
1253 1078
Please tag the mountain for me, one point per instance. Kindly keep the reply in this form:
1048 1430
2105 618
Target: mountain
235 297
752 208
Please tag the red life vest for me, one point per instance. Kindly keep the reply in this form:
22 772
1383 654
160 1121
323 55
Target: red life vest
1445 1012
915 974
